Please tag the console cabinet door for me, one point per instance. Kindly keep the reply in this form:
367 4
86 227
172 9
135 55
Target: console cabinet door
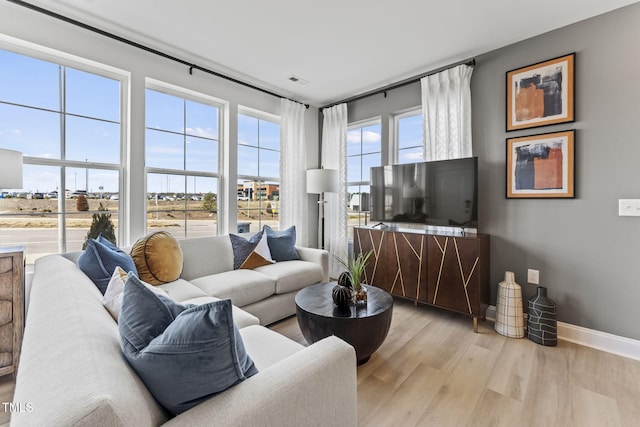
454 274
398 262
376 273
408 277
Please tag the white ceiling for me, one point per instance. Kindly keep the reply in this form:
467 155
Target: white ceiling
342 47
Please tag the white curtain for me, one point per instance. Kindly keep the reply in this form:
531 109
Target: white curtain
294 207
446 113
334 156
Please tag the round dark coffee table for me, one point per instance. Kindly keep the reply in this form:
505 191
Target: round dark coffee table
365 327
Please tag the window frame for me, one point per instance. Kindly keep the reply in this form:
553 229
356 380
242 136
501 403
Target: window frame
66 60
359 125
395 141
194 96
266 180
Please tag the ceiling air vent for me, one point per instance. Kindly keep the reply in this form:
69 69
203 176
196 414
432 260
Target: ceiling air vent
298 80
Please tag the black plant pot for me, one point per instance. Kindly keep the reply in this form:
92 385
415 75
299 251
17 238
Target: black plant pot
542 326
341 295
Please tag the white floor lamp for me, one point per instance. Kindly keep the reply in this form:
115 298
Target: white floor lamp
320 181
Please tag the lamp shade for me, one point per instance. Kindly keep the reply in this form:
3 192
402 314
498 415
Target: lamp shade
10 168
322 181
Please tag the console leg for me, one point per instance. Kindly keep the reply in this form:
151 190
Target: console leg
475 325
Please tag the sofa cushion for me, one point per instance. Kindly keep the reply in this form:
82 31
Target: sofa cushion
250 253
206 255
269 347
282 244
100 258
241 286
241 318
184 354
158 258
180 290
292 275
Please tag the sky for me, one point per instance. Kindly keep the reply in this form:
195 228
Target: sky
178 133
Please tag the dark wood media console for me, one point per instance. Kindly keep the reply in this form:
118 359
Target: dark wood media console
443 270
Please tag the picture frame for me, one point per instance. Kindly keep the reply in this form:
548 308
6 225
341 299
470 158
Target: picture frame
541 166
541 94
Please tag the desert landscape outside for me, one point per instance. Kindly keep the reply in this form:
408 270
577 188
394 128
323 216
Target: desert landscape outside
35 223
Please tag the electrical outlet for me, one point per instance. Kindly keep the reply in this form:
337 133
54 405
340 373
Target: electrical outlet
533 277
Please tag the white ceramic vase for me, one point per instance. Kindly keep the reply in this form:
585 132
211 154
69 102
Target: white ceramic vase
509 312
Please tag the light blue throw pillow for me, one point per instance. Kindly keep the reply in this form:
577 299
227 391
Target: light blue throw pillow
99 260
183 353
282 244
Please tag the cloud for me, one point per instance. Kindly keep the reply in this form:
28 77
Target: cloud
201 132
368 137
17 132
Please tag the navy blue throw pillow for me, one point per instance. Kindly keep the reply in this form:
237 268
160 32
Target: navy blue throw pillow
99 260
282 244
183 353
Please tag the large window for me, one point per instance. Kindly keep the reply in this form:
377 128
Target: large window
66 120
409 137
258 171
182 144
364 150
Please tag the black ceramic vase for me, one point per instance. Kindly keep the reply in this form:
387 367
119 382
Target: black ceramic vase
542 326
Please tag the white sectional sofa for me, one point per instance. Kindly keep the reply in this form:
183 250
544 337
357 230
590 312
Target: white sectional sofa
267 292
72 371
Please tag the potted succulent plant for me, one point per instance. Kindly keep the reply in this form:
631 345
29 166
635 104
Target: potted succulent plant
355 267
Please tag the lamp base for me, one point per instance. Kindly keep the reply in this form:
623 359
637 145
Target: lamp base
321 204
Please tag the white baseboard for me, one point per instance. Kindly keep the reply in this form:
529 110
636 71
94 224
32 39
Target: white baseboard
610 343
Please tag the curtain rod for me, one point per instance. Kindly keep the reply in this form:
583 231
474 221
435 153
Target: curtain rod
145 48
410 80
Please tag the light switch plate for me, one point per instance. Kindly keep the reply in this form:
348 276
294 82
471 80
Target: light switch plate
629 207
533 276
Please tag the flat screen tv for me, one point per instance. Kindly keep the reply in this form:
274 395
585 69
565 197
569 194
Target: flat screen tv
437 193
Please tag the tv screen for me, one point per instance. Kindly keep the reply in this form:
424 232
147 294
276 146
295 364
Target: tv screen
438 193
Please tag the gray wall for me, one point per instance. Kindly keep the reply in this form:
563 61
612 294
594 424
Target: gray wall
588 256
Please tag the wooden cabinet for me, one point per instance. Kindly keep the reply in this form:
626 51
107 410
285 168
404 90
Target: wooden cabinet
11 307
397 262
446 271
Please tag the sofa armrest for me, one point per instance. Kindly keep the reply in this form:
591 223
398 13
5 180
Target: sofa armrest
318 256
314 387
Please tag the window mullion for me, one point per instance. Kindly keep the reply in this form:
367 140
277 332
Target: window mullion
184 134
62 219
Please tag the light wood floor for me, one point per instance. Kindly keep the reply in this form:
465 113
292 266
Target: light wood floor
433 370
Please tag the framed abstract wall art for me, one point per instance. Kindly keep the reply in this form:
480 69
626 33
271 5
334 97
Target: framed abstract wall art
541 166
541 94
